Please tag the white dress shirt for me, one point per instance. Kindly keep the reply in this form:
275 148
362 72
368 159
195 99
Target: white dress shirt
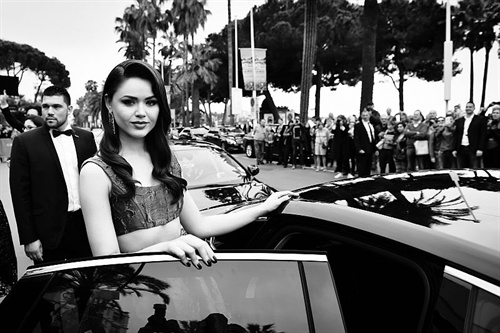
369 130
66 151
465 135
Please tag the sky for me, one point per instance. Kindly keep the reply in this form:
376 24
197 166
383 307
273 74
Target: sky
80 33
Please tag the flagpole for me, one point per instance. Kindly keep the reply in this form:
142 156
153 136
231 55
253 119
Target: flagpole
255 109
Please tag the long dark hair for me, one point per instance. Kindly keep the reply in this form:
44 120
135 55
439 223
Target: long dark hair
156 141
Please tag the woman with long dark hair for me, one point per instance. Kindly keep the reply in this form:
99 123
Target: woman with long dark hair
133 196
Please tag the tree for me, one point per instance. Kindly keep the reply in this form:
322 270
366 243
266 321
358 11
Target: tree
308 56
188 16
474 23
199 71
370 22
410 41
139 26
18 58
90 103
280 29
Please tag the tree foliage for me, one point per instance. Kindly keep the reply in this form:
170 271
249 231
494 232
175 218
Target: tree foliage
473 28
17 59
279 28
410 37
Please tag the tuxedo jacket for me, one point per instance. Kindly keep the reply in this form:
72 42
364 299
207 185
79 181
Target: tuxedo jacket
37 185
477 133
362 140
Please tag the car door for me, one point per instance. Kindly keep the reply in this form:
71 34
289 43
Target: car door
242 292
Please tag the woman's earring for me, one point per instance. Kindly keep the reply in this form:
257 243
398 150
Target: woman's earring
112 122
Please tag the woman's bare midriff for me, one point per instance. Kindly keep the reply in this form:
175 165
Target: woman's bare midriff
140 239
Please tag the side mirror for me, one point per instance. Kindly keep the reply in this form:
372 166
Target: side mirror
253 169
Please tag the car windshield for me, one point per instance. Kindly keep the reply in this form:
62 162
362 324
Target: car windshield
205 166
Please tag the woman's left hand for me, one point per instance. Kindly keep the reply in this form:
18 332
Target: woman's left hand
276 199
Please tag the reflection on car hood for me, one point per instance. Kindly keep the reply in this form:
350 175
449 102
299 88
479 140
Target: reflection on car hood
217 196
428 198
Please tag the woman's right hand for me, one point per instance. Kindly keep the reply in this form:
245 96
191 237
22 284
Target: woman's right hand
187 248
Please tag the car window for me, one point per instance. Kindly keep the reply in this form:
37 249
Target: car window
206 166
249 296
462 307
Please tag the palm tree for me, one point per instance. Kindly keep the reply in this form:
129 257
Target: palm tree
308 56
188 16
199 71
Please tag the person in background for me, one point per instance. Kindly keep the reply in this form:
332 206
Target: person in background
341 147
286 133
445 134
386 152
15 123
44 181
259 141
298 142
415 130
400 159
321 136
269 144
470 138
280 141
133 196
492 153
364 142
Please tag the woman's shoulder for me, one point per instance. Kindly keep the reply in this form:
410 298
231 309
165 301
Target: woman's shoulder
95 166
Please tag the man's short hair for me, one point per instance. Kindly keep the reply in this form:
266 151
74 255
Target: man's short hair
57 91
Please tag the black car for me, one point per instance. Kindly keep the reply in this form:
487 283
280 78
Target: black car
410 252
227 137
216 180
243 292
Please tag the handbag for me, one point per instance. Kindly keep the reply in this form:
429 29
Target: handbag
421 147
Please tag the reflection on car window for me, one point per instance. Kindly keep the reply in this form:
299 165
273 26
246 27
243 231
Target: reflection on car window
462 307
250 296
208 166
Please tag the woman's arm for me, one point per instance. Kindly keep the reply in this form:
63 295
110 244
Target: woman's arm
95 187
208 226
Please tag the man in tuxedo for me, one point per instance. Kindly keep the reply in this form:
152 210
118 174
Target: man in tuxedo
470 138
364 143
44 183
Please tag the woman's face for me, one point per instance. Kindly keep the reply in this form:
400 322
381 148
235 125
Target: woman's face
29 125
400 128
134 107
495 114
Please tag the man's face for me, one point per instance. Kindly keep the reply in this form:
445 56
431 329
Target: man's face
469 109
365 115
495 113
55 111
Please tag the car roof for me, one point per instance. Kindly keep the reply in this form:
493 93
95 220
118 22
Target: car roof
423 209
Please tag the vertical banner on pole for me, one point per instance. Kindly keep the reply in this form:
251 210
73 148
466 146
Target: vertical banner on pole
260 69
237 98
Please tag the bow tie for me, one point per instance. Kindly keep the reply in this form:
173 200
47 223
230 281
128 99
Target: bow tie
56 133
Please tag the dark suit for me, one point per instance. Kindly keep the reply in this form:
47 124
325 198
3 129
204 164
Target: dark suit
39 192
362 142
466 155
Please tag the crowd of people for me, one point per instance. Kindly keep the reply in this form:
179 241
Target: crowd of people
385 142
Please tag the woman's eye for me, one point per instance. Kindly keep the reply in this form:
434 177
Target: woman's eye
128 102
152 102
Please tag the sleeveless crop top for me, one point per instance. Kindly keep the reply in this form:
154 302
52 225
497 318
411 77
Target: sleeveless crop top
150 207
